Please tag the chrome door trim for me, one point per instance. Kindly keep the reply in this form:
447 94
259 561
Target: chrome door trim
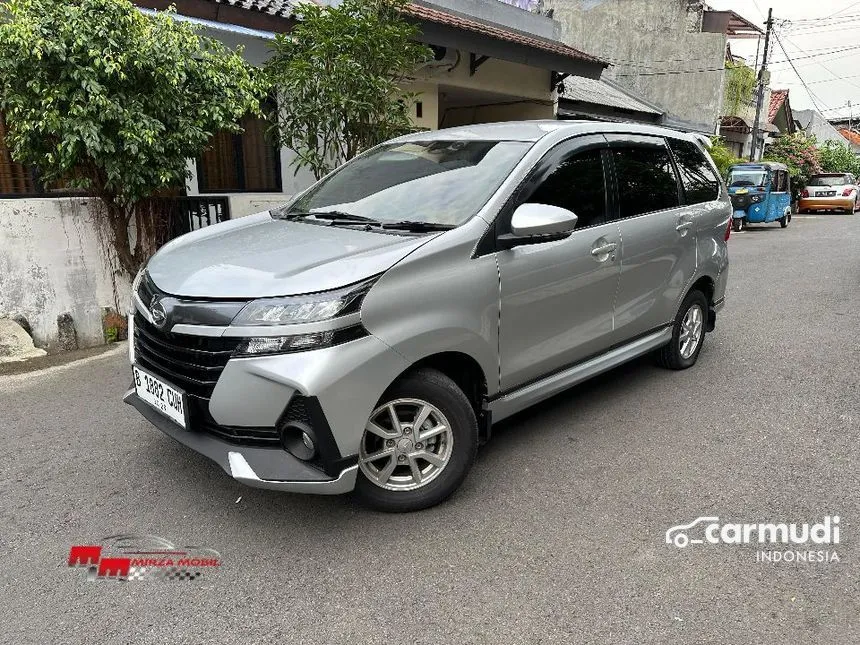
537 391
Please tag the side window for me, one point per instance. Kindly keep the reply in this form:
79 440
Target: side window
577 184
646 179
697 176
782 183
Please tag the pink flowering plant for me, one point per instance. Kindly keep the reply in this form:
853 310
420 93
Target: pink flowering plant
800 153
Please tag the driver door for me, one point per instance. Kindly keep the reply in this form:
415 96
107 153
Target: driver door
557 297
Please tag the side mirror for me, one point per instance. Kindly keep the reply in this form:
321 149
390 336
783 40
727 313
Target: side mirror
538 223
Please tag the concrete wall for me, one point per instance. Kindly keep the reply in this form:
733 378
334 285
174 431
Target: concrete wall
52 262
645 39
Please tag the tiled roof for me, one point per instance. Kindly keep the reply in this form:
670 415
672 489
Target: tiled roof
852 136
499 33
279 8
777 98
587 90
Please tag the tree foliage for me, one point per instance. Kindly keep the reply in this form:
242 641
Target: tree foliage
339 75
836 156
113 101
800 153
722 156
740 84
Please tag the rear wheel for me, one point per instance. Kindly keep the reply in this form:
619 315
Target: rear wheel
418 444
784 220
688 333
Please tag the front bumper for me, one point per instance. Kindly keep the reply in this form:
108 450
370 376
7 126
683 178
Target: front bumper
826 203
258 467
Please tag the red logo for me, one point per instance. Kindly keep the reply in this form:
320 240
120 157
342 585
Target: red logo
143 557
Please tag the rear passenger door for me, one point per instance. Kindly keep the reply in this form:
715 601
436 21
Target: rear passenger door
658 235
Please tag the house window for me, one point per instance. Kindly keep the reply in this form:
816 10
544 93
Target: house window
247 161
15 179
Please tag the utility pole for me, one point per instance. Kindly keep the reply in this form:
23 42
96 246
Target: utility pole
760 99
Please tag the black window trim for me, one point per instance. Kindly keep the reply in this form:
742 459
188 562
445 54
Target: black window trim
618 140
707 159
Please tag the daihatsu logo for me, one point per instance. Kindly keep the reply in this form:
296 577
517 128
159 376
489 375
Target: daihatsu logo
709 530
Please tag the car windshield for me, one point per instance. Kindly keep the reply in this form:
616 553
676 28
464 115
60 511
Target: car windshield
430 182
740 178
828 180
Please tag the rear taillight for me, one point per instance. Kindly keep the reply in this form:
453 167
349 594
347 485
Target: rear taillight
728 230
847 192
805 193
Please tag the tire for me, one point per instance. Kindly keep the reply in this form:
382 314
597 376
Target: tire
671 355
396 490
783 221
737 225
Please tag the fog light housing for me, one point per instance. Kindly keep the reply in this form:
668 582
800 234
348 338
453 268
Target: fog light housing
299 440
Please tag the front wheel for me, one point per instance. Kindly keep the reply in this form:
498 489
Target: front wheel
418 444
737 225
688 333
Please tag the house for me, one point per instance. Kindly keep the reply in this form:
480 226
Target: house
605 100
814 124
671 53
852 138
493 61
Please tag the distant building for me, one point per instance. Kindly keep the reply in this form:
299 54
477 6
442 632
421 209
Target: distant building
670 53
813 123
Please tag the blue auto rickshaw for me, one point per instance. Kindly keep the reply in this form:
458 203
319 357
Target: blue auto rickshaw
760 193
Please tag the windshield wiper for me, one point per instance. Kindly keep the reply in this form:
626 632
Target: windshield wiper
336 217
418 227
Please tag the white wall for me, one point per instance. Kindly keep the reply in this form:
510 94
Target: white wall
51 262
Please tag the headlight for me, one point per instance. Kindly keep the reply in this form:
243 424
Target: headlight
298 342
293 310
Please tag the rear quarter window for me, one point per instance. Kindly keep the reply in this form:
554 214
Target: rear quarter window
698 178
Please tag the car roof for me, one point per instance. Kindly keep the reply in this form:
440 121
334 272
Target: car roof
753 165
536 130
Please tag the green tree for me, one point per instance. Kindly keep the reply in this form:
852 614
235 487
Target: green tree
339 75
836 156
107 99
722 156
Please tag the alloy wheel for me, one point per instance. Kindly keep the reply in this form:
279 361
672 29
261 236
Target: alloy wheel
692 328
406 444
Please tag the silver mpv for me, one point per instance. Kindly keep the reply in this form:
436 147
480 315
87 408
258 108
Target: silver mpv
369 333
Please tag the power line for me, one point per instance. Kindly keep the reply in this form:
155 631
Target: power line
812 95
827 69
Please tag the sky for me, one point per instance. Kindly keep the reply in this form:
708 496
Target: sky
812 34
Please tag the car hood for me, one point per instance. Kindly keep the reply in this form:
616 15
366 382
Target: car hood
258 256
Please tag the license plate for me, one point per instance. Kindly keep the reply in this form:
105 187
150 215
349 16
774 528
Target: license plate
165 398
829 193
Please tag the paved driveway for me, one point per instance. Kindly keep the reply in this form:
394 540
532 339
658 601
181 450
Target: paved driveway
556 537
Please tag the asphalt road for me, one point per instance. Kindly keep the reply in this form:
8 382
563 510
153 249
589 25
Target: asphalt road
557 535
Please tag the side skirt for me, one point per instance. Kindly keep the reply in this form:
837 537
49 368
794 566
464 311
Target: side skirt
526 396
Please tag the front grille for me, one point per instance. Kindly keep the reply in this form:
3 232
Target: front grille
192 363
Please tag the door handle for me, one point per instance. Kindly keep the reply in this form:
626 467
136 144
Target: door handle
683 226
604 250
